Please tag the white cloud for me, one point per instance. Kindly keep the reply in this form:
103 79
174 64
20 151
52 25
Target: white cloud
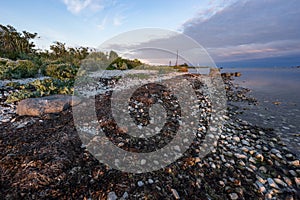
76 6
213 7
102 25
118 20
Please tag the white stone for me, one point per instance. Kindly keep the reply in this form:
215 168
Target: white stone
140 183
112 196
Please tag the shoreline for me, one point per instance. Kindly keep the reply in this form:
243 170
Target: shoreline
45 158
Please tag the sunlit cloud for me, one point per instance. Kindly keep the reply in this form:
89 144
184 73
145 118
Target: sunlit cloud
76 6
256 50
118 20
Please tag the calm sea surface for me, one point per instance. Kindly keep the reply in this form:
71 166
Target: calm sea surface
269 85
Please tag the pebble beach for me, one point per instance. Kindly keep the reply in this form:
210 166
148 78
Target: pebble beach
43 157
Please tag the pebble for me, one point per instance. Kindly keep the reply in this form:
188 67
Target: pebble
125 195
237 139
245 142
268 196
150 181
287 180
260 179
222 183
240 156
272 183
280 182
242 163
289 156
233 196
252 160
143 161
265 148
297 181
140 183
279 155
177 148
112 196
295 163
261 187
293 173
259 157
175 194
275 151
263 169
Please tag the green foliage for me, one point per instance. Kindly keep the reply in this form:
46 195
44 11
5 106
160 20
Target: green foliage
63 54
40 88
15 45
122 64
62 71
18 69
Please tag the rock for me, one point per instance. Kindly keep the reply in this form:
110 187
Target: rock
214 72
295 163
272 144
293 173
245 142
268 196
125 195
263 169
278 155
260 186
237 74
260 179
150 181
242 163
287 180
275 151
240 156
143 162
233 196
272 183
175 194
259 157
112 196
297 181
258 146
45 105
280 182
265 148
140 183
222 183
289 156
252 160
236 138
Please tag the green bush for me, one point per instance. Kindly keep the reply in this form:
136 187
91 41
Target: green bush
123 64
62 71
18 69
40 88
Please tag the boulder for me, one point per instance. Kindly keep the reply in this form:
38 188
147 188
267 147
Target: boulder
214 72
46 105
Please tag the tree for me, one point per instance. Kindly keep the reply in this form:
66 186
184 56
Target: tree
113 56
14 45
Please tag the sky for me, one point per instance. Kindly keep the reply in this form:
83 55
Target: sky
243 32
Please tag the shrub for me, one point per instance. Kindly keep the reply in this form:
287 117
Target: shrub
18 69
40 88
62 71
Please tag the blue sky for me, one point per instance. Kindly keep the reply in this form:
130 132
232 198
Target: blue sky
231 30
